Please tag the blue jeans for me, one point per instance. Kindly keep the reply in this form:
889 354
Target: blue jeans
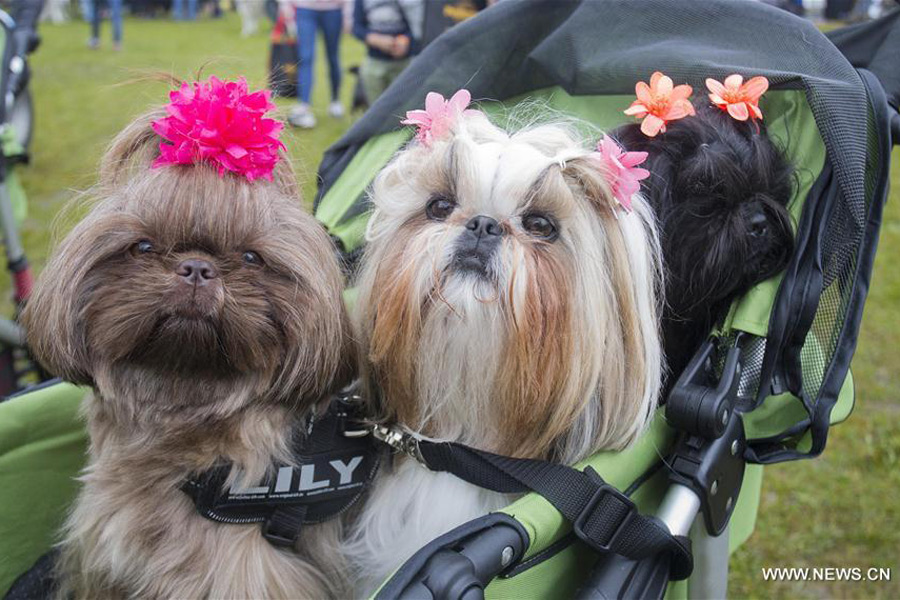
115 15
308 21
178 9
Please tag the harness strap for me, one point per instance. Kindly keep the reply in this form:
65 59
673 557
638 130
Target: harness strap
602 516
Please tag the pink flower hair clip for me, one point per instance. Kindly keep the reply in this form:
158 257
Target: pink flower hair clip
221 123
621 169
660 103
436 121
739 99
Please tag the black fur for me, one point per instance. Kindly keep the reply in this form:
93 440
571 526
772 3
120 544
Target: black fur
719 188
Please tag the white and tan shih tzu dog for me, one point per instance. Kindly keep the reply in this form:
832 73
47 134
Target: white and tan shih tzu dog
203 307
508 301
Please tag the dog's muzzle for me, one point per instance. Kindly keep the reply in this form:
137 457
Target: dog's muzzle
476 246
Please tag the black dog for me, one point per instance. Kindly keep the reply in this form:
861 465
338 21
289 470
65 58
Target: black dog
719 188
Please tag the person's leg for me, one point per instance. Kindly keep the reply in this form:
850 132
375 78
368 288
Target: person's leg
331 21
87 10
393 71
177 9
115 15
96 14
372 74
301 115
306 52
192 9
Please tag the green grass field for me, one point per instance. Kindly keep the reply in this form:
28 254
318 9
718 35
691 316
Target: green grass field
841 510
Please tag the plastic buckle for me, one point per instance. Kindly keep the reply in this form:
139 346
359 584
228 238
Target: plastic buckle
276 539
603 490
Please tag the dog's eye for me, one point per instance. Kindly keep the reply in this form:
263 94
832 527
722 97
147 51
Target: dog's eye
142 247
252 258
539 226
439 208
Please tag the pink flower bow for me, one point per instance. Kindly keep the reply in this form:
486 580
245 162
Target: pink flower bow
222 123
621 169
659 103
740 99
439 115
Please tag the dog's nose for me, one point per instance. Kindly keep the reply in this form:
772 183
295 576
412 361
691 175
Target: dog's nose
196 271
759 224
483 225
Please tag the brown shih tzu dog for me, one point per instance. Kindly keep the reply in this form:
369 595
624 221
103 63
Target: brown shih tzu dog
205 312
505 303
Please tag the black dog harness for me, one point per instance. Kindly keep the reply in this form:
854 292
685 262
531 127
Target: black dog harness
335 460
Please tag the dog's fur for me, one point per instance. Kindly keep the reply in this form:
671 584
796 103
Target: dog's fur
529 347
720 190
185 374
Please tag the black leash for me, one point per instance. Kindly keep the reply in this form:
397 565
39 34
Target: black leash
602 517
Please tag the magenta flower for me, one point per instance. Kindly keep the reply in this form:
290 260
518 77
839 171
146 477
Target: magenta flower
439 115
621 169
221 123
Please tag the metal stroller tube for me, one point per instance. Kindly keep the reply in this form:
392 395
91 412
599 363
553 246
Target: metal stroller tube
679 509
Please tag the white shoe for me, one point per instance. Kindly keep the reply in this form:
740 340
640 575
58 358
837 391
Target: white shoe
301 116
336 110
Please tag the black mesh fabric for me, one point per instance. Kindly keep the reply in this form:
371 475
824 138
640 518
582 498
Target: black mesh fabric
598 47
604 46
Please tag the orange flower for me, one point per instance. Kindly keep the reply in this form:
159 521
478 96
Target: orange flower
740 99
659 103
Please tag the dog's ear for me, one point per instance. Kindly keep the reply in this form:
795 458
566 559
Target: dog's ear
587 178
53 319
135 147
630 370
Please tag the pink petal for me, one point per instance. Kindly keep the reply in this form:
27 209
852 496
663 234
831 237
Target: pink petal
434 103
632 159
716 99
642 91
681 92
755 110
664 86
739 111
755 88
715 87
636 110
640 173
236 151
651 125
460 100
679 110
733 82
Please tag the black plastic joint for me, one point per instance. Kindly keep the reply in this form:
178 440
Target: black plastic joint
604 491
277 537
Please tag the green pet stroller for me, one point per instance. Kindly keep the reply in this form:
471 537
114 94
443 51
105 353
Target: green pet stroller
766 387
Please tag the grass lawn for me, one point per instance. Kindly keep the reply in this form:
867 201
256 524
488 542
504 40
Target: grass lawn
841 510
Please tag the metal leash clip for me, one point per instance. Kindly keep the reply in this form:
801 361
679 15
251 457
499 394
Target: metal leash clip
399 440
